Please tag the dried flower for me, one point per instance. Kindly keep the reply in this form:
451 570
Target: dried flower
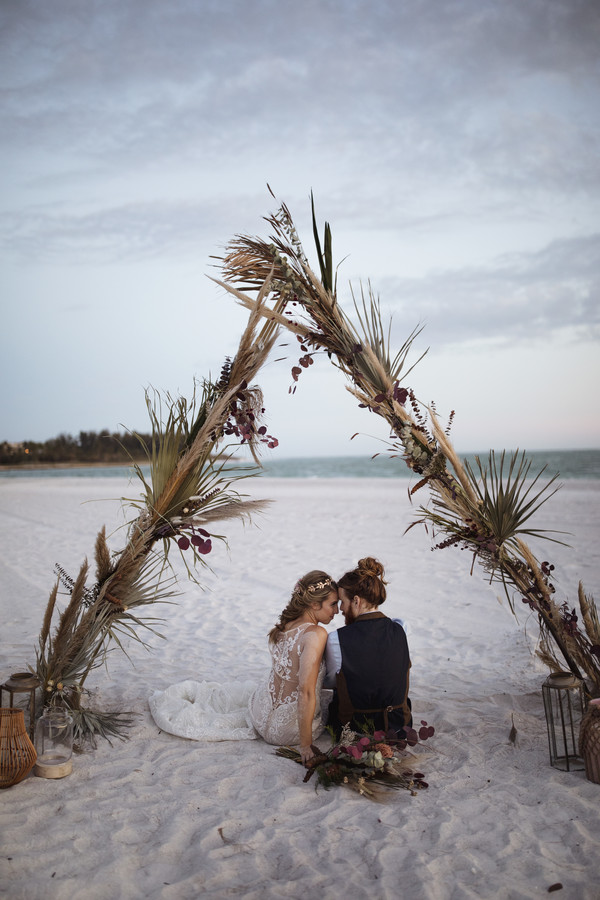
367 763
385 750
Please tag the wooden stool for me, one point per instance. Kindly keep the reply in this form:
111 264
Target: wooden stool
22 683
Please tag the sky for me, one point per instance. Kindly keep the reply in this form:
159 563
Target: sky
453 146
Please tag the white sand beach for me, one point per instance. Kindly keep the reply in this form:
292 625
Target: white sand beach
157 816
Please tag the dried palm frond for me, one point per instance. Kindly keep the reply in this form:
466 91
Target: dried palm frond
496 519
379 339
88 725
504 504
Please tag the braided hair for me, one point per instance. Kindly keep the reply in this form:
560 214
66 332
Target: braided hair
313 587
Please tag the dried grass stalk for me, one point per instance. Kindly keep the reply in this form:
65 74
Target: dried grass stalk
589 614
102 556
48 617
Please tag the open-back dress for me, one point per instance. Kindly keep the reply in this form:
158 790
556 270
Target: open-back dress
273 707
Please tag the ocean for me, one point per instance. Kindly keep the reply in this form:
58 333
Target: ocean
568 464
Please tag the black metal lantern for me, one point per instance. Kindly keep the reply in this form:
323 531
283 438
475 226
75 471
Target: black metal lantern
563 705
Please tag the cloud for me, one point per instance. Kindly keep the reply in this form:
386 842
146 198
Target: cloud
124 233
454 147
521 299
450 89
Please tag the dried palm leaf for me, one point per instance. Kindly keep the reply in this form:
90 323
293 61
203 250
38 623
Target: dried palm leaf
505 504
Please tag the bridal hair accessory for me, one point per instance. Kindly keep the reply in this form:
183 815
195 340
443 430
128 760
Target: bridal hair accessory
319 586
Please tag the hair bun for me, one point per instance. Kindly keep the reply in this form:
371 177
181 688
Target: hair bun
370 567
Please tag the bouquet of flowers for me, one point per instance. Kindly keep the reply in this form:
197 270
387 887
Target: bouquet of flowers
368 763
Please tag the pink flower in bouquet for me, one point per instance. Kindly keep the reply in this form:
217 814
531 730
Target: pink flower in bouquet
362 762
354 751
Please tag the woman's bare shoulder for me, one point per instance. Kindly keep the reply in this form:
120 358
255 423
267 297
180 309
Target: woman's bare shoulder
315 634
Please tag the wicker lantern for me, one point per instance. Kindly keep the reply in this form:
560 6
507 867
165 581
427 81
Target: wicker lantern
17 753
563 705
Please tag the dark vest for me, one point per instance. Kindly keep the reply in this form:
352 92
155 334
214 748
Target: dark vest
374 675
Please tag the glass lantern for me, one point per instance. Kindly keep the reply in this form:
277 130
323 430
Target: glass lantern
563 705
54 743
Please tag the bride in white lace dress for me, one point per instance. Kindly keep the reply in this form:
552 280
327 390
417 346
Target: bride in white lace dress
285 708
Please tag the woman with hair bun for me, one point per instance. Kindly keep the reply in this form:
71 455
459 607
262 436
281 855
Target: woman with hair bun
285 709
367 659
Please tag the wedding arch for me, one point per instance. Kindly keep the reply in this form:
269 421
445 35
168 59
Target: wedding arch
192 483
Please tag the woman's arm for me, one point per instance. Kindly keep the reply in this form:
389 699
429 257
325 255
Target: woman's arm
313 646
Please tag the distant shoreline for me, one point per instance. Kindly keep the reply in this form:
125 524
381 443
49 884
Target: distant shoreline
568 465
74 465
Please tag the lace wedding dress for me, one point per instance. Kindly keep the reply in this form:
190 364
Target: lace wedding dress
205 710
273 707
237 711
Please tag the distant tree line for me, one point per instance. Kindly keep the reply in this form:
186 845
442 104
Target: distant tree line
87 447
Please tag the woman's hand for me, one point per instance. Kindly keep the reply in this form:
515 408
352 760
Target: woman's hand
306 754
